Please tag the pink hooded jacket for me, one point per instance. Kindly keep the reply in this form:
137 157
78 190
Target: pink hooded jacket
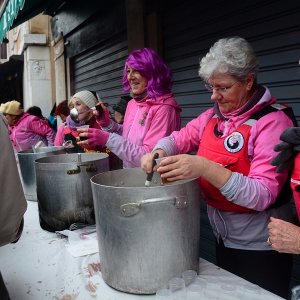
28 131
258 190
144 124
260 152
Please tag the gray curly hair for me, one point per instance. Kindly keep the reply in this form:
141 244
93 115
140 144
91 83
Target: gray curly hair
233 56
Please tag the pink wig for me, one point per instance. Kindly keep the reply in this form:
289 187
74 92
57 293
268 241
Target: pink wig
151 66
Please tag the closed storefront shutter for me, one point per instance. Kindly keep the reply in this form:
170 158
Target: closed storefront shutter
191 27
272 27
100 68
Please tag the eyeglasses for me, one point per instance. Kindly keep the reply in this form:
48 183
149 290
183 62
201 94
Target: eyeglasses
221 89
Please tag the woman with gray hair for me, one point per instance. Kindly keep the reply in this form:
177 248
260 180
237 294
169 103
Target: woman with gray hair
234 142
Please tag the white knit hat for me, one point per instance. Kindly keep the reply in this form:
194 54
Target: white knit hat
11 108
87 97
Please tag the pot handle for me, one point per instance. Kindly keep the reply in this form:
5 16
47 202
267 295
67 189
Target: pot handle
90 168
131 209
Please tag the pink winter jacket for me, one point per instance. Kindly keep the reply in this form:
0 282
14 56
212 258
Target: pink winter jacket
258 190
28 131
59 137
144 124
260 152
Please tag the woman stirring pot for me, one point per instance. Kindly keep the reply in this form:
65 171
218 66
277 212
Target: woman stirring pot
234 141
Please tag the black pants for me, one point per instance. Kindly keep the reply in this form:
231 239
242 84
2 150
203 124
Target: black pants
270 270
3 290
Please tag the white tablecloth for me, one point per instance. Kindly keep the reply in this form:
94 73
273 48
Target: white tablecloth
39 267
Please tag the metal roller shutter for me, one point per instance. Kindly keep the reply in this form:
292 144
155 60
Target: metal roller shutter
100 68
191 27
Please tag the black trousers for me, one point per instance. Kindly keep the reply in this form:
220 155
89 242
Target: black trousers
3 290
270 270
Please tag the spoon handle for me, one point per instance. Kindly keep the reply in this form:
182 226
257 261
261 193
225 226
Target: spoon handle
150 175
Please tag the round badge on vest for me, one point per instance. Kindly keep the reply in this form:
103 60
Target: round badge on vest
234 142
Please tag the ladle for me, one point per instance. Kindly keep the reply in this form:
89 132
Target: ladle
74 114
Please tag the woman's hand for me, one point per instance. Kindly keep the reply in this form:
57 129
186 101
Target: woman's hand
284 236
94 137
186 166
147 160
181 166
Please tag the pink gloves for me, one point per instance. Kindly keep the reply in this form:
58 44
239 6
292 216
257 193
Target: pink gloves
97 137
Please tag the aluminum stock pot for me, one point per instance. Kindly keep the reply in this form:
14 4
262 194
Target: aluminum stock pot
26 162
146 235
64 191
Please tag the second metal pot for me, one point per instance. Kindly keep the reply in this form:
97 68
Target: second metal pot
64 190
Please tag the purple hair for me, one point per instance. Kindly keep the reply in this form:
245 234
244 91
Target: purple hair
150 65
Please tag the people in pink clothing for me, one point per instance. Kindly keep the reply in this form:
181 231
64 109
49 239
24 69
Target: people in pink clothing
151 114
234 143
25 130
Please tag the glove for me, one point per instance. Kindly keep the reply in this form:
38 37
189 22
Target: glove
285 157
289 147
97 137
103 118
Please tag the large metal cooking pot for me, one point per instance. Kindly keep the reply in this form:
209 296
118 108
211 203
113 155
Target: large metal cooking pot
146 235
64 191
26 162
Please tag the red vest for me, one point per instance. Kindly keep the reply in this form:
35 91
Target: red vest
230 152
